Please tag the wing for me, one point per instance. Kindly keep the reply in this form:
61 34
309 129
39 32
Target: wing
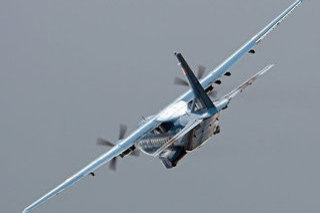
103 159
247 83
234 58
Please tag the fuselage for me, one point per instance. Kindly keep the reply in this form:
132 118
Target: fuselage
177 112
173 120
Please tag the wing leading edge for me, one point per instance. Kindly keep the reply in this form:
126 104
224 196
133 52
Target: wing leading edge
103 159
256 39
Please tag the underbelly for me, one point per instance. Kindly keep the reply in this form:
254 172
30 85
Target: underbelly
201 133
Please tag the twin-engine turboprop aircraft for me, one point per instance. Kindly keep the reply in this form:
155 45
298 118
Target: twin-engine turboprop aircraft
184 125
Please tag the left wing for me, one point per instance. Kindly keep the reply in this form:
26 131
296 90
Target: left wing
103 159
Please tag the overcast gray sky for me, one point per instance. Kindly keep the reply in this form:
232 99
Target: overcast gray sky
72 71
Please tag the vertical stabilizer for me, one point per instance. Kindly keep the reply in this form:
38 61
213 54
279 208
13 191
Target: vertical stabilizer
198 90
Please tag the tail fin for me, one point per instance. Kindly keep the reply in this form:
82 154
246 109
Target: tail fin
198 90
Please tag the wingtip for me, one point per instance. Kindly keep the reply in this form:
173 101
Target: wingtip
266 69
271 65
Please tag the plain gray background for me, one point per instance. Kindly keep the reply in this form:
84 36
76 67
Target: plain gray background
72 71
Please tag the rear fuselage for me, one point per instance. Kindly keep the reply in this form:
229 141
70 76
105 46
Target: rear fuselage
170 127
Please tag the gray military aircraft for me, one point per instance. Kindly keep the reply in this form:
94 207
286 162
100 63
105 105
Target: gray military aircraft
183 126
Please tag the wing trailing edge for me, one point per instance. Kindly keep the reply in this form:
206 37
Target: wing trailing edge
247 83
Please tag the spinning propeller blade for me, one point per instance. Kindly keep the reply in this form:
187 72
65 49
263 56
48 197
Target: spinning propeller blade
103 142
201 71
136 153
213 94
182 82
122 132
113 164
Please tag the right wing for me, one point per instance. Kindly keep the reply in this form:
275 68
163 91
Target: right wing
256 39
103 159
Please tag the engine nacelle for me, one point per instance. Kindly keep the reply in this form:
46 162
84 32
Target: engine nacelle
128 151
171 157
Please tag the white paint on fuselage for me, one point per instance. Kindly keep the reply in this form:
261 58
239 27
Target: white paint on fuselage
173 111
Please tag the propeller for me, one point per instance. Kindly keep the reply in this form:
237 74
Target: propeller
103 142
213 94
135 153
182 82
200 72
122 132
113 162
